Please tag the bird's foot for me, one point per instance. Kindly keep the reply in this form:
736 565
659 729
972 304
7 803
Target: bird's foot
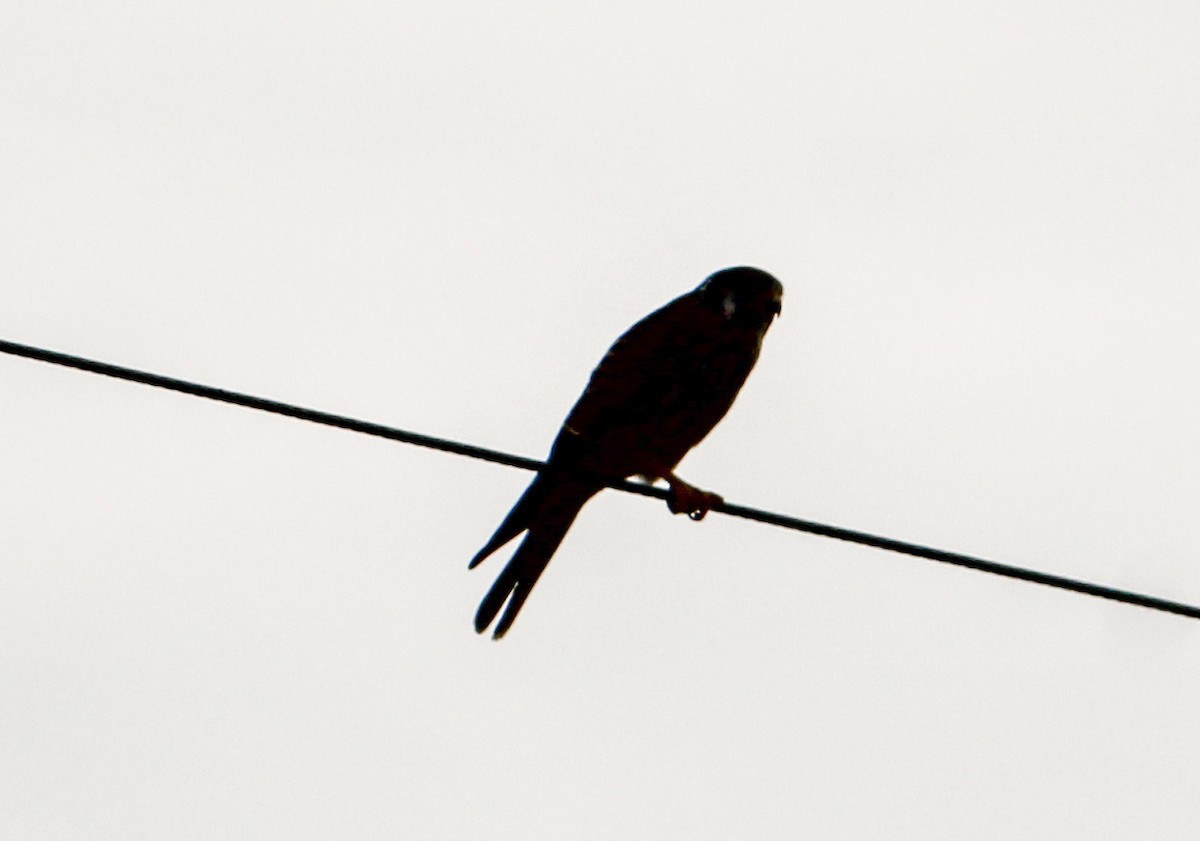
686 499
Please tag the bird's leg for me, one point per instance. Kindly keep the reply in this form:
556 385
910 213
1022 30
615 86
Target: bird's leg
690 500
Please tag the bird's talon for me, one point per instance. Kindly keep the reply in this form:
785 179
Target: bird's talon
685 499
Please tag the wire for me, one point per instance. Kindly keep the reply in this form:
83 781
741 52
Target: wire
794 523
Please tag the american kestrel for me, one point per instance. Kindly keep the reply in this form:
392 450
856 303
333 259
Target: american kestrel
658 391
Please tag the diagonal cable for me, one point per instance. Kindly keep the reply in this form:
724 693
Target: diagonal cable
432 442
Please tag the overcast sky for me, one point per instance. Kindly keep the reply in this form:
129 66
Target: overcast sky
216 623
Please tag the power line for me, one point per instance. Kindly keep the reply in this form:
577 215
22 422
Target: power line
794 523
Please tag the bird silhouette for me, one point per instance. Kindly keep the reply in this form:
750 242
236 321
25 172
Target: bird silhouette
655 395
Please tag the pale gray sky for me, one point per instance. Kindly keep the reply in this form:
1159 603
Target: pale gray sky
220 624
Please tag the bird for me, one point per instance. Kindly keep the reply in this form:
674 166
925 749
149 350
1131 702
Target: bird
657 392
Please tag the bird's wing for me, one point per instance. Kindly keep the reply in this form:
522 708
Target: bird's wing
625 386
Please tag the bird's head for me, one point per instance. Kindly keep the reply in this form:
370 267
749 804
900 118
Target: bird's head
745 296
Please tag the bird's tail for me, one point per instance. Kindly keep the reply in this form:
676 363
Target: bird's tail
547 510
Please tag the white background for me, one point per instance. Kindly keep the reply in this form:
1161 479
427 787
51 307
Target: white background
221 624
